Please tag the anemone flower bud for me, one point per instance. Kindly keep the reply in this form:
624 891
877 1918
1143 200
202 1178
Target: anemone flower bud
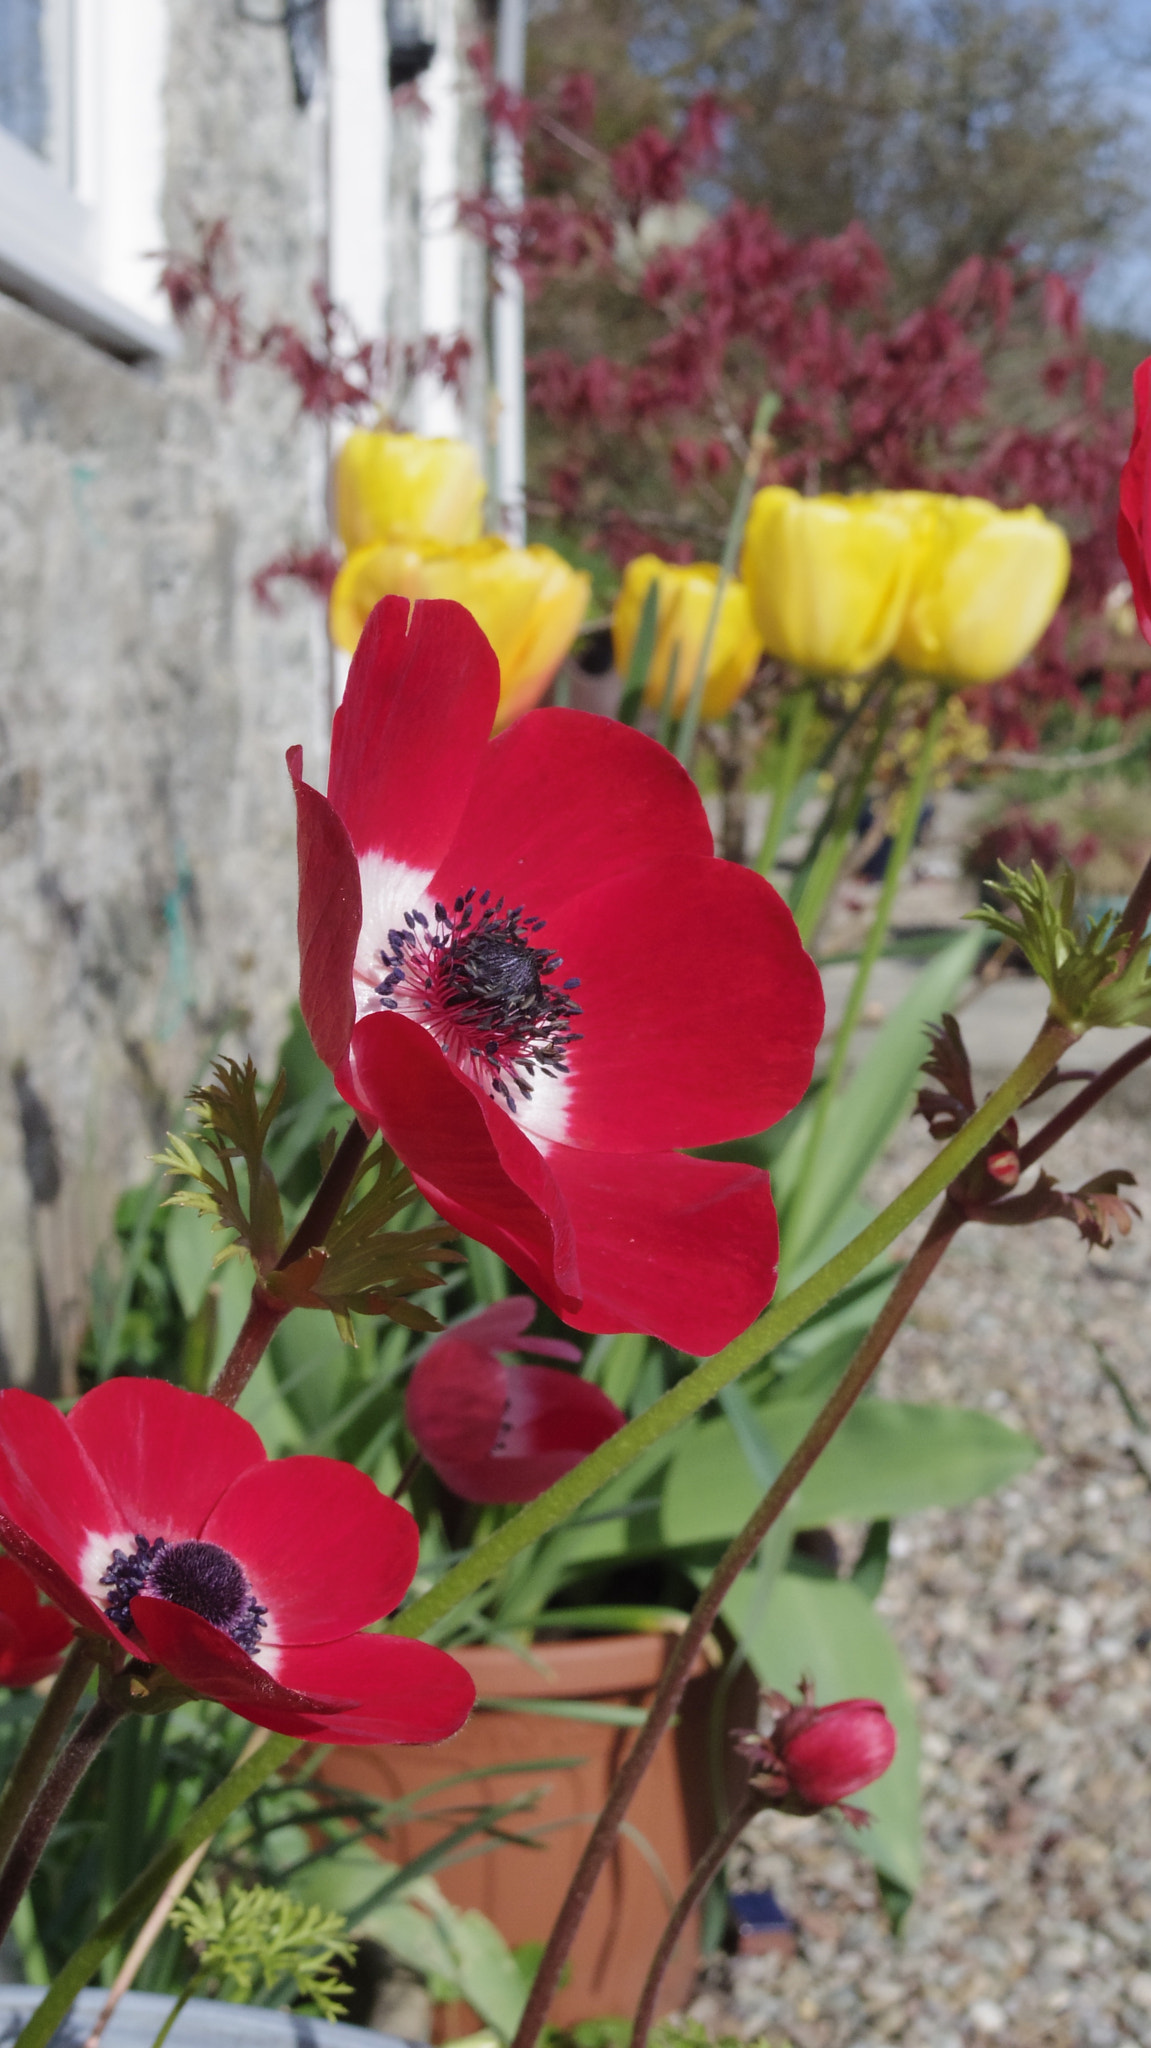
815 1756
1134 522
686 596
527 602
985 586
33 1636
495 1432
407 487
1004 1167
827 577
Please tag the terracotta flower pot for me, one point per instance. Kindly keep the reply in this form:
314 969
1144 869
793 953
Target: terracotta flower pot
520 1889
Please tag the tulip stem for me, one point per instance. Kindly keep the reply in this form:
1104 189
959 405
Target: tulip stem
265 1311
790 764
823 860
738 1554
872 948
47 1730
757 447
710 1864
50 1802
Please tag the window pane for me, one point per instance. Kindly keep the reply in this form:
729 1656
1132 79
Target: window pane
23 83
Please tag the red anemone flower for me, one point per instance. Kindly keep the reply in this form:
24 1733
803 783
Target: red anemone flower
539 1086
154 1517
1134 508
33 1637
496 1432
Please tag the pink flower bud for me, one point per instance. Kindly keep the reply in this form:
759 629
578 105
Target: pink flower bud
815 1756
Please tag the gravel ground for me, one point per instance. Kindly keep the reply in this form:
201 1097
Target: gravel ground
1025 1622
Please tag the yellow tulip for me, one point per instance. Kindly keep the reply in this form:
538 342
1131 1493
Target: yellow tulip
406 487
985 585
828 577
686 596
528 602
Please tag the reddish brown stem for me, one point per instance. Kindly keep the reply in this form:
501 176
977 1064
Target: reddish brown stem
1137 908
50 1803
710 1863
1058 1126
739 1553
265 1312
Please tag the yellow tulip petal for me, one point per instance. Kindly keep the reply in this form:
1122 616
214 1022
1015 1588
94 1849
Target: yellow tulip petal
685 600
986 586
827 577
528 602
407 487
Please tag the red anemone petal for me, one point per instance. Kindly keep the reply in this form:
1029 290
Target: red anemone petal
412 728
702 1012
552 1420
554 1411
562 801
328 918
502 1327
207 1661
407 1691
455 1402
683 1249
52 1501
324 1550
469 1158
165 1455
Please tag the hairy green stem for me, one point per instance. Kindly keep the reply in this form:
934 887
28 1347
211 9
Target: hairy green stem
779 1321
709 1865
765 412
265 1312
50 1803
791 761
873 947
48 1730
200 1826
738 1554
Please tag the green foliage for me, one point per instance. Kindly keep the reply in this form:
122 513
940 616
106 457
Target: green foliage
827 1630
1095 976
252 1941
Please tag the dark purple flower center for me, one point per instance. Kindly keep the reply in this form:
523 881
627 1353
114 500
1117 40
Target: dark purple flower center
201 1576
474 977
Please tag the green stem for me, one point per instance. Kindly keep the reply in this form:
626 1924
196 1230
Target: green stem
736 1557
872 948
765 412
47 1733
791 762
190 1988
709 1865
820 871
200 1826
781 1320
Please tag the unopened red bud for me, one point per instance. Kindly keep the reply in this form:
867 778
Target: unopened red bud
1004 1167
815 1756
830 1752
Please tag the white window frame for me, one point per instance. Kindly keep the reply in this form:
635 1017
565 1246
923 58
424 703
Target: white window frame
82 250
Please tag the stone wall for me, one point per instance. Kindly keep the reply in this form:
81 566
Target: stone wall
147 873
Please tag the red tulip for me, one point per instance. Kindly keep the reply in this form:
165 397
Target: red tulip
33 1637
154 1517
539 1088
495 1432
1134 509
815 1756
